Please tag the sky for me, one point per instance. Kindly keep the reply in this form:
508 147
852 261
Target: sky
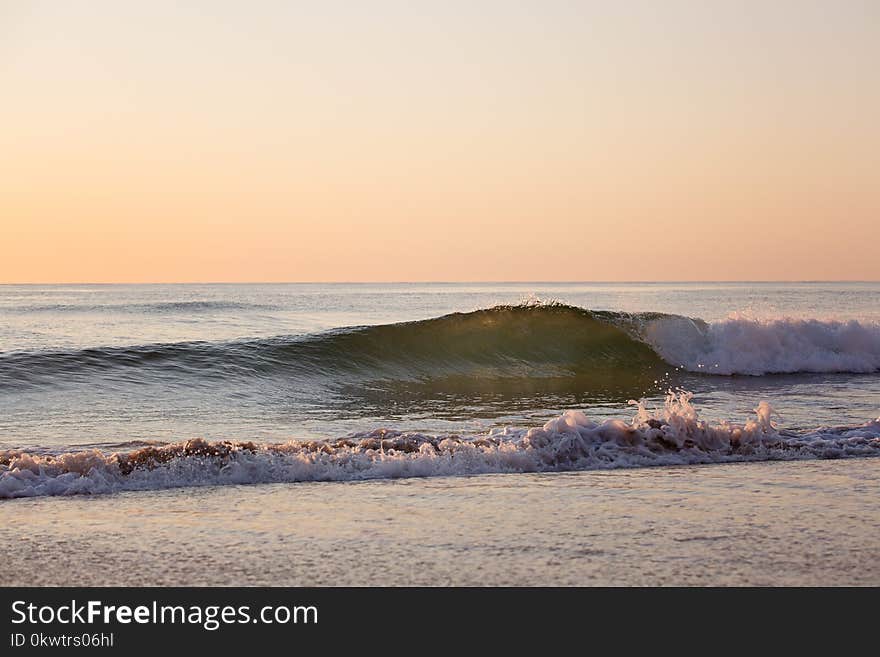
393 140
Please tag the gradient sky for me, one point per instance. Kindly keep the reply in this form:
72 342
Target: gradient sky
395 140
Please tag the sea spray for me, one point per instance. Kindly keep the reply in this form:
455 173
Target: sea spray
755 347
672 435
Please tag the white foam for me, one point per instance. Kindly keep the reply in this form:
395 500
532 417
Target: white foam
673 435
740 345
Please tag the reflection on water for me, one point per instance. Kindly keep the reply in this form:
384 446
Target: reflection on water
795 523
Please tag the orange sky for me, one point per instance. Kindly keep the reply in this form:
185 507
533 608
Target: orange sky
390 140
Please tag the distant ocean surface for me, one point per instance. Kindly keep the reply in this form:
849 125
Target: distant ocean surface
105 388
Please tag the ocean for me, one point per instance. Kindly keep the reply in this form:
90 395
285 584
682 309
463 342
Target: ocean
442 433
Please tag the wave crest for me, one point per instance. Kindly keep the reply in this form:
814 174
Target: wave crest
526 342
756 347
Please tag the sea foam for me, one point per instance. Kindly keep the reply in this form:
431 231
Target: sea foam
755 347
673 435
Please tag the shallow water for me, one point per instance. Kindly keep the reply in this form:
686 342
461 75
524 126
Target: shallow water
793 523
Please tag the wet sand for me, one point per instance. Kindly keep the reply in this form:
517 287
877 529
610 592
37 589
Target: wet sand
777 523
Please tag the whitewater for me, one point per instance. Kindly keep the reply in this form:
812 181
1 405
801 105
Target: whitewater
673 436
738 345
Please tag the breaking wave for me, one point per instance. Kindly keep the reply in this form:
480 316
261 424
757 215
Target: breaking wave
525 341
776 346
673 435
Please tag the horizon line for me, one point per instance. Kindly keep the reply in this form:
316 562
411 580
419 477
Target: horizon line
446 282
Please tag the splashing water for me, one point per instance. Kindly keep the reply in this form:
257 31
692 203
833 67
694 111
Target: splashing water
673 435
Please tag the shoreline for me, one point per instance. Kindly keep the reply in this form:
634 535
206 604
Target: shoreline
798 523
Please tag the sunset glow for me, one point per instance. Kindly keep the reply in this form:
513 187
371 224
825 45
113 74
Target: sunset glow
395 141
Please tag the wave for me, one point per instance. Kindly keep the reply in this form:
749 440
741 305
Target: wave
534 341
673 435
776 346
500 342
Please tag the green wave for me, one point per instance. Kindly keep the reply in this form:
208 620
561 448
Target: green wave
498 348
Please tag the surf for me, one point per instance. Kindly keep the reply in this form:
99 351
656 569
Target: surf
673 435
527 342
